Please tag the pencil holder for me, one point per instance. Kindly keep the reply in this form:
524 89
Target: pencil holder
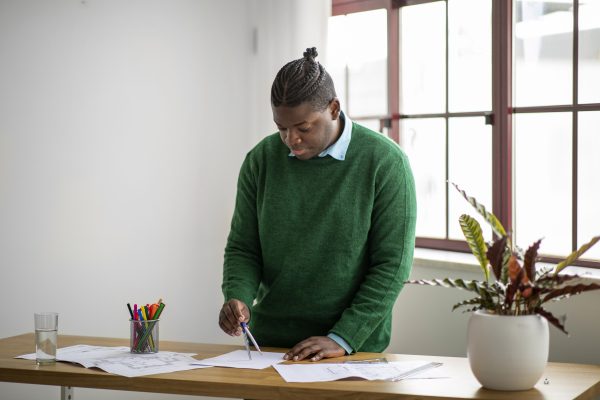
143 336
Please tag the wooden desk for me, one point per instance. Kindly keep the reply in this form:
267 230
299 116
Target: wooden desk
567 381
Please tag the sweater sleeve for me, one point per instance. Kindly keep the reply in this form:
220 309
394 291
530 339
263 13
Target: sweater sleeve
243 259
391 246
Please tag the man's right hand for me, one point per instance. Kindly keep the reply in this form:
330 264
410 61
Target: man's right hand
232 313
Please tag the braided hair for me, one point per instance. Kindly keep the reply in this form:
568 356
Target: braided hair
303 80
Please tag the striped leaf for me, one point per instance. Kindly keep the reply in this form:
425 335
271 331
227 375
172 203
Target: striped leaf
472 231
495 254
475 300
557 322
530 258
568 291
488 216
575 255
481 288
550 282
505 260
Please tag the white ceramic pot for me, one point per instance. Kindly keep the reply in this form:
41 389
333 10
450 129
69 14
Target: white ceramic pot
507 352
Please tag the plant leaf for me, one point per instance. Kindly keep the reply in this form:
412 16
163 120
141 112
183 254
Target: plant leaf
473 309
472 231
505 260
546 282
575 255
483 289
559 323
495 255
475 300
530 258
571 290
488 216
511 289
514 270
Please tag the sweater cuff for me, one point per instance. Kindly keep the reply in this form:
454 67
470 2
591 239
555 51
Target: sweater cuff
339 340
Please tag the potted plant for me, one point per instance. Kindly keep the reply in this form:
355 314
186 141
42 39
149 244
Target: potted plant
507 335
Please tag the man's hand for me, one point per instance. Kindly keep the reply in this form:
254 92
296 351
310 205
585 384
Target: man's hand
315 348
232 313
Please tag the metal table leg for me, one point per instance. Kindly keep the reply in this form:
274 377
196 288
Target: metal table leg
66 393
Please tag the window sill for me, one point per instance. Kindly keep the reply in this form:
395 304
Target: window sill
459 262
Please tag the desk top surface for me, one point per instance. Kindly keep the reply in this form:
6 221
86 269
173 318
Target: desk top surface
566 381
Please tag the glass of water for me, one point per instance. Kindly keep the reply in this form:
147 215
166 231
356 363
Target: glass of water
46 327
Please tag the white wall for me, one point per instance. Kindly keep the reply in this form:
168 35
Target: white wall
123 124
282 31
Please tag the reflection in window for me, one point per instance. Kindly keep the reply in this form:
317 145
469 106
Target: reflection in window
589 52
542 181
424 141
588 195
357 61
423 58
469 55
469 152
543 52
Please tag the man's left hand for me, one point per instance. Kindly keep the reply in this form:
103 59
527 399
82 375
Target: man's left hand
315 348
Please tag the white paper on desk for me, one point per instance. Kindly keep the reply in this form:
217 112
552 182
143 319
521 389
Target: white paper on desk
132 365
239 359
322 372
82 353
432 373
120 361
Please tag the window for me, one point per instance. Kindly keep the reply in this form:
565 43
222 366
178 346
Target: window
358 65
501 97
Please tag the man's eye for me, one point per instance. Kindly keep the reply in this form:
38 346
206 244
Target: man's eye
303 130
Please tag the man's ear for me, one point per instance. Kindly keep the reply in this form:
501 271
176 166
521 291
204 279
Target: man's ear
335 108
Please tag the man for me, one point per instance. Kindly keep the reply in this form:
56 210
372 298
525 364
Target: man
322 235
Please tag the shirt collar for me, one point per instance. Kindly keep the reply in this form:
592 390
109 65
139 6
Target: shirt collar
340 147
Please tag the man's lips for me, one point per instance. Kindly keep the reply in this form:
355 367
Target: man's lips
298 152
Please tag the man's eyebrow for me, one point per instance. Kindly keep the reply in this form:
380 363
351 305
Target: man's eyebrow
299 123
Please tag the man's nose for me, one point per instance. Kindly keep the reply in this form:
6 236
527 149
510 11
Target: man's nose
293 137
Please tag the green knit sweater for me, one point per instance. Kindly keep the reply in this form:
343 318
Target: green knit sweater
322 245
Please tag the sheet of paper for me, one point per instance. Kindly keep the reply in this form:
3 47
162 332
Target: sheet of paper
442 372
322 372
239 359
132 365
120 361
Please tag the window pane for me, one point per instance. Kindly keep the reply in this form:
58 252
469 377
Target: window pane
542 176
589 51
543 52
373 124
470 55
588 189
337 47
470 167
358 61
423 58
424 142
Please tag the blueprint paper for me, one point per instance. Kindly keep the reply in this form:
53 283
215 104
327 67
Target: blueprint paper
323 372
120 361
239 359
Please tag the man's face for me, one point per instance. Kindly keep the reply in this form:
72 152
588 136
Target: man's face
307 132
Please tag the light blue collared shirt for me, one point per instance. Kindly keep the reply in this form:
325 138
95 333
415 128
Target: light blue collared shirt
340 147
339 340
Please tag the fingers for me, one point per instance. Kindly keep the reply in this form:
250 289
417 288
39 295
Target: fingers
315 348
232 313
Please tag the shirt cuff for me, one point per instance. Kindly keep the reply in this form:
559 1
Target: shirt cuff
339 340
